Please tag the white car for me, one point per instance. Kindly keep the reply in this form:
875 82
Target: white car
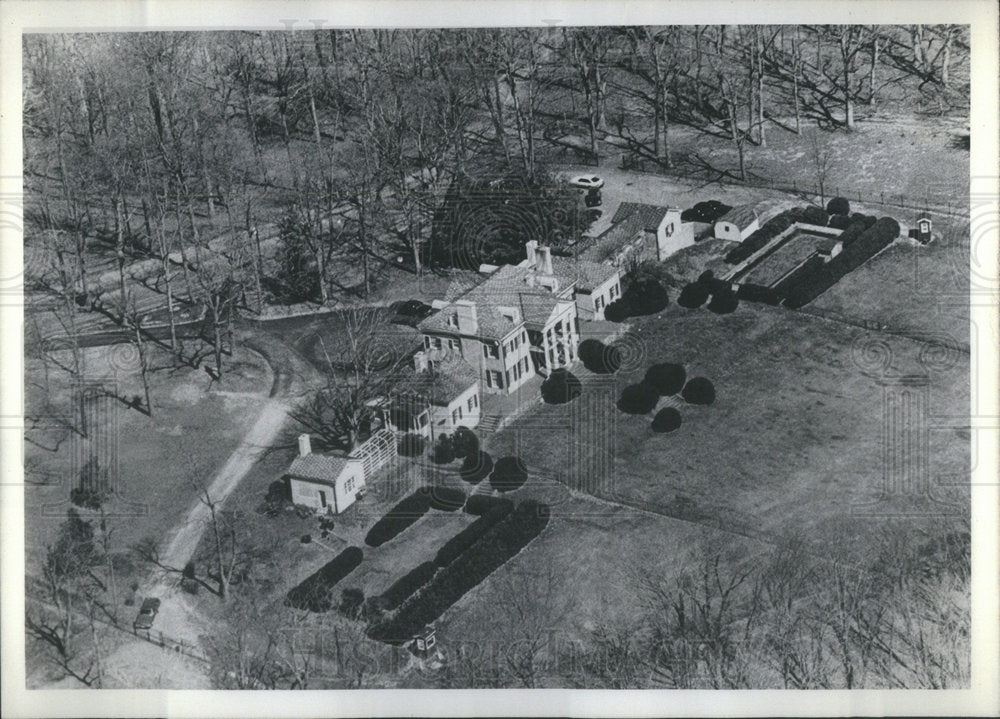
587 182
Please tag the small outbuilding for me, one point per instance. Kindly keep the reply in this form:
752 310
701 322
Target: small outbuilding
326 483
737 224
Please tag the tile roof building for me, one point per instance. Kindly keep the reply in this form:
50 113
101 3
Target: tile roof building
522 319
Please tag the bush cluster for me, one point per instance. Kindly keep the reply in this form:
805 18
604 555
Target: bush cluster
667 419
708 211
464 443
698 390
839 222
444 450
405 513
560 387
638 398
503 541
509 473
455 546
411 445
723 301
314 593
480 504
666 378
476 467
446 499
813 215
758 293
404 587
694 295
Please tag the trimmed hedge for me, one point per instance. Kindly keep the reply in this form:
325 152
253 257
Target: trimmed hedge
501 543
646 297
411 445
838 206
667 419
464 443
815 216
698 391
758 293
315 592
560 387
446 499
509 473
667 378
693 295
405 513
638 398
617 311
454 547
768 231
806 269
404 587
839 222
475 468
723 302
480 504
867 244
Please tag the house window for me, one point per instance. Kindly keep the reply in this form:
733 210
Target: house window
494 378
349 484
453 344
508 378
472 402
453 319
456 415
491 349
526 364
614 291
427 342
599 303
437 342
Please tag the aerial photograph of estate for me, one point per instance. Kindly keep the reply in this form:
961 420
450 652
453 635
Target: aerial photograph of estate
594 357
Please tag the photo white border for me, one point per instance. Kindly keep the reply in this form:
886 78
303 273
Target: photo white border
59 16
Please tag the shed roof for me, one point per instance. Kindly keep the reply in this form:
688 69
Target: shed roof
588 275
650 216
742 216
441 383
317 467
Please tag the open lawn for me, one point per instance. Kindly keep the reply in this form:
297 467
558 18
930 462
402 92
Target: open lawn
793 443
161 460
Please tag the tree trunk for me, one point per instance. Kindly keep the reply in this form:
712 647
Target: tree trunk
871 71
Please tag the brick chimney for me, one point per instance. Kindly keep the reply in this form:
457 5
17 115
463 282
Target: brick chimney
468 323
305 446
544 264
529 250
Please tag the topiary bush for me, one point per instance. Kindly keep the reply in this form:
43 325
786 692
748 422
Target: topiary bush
351 601
411 445
693 295
480 504
314 593
600 358
645 297
404 587
446 499
698 390
444 451
839 222
723 301
589 350
638 398
401 516
838 206
502 542
464 443
462 541
667 378
560 387
476 467
667 419
509 474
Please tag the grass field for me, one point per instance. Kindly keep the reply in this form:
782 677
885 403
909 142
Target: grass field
196 424
792 444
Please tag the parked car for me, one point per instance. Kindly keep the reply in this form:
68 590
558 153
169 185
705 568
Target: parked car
409 312
147 613
592 184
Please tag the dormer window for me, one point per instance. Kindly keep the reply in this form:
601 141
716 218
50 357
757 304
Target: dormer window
453 319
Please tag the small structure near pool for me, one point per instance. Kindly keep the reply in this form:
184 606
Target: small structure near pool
332 483
737 224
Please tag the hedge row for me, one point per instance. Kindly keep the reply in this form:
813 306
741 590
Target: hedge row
455 546
480 504
708 211
501 543
475 468
405 513
768 231
315 592
447 499
867 244
758 293
404 587
509 473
